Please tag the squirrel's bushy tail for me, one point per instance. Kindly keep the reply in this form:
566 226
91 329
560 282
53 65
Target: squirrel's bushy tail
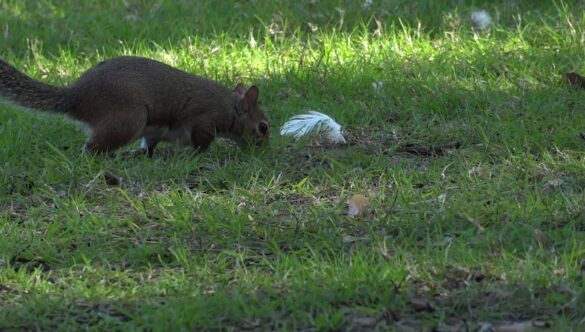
28 92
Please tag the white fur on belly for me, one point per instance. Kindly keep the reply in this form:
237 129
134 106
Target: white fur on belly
180 136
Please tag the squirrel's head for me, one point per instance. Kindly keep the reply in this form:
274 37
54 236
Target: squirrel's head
250 126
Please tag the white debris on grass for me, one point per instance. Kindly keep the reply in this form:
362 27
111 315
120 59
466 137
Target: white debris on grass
481 19
312 123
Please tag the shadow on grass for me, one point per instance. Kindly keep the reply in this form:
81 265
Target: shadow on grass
343 304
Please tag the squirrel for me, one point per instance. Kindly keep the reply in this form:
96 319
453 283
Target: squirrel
127 98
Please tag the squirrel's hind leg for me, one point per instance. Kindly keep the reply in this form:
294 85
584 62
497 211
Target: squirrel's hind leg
110 134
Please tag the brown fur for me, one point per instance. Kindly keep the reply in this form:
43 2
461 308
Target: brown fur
126 98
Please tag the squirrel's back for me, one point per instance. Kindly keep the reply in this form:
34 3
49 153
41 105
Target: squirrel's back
146 72
166 89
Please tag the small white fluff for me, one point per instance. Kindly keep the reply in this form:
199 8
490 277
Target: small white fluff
313 122
377 86
481 19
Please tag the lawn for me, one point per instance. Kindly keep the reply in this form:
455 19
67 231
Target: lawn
466 142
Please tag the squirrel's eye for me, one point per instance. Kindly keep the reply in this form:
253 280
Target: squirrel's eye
262 128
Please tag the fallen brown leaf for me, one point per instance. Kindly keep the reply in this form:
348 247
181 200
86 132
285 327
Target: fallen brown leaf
365 321
251 324
351 239
541 324
475 222
112 179
357 205
527 326
480 171
554 183
420 304
540 237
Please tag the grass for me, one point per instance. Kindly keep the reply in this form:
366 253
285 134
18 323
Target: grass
490 228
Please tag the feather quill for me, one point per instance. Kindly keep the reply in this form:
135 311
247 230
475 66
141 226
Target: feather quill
312 123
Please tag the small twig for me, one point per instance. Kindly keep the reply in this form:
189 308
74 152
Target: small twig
473 221
445 169
394 200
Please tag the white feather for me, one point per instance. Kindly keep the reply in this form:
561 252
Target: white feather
367 4
313 123
481 19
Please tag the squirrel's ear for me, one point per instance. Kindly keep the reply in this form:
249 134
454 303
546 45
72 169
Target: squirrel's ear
252 95
240 89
